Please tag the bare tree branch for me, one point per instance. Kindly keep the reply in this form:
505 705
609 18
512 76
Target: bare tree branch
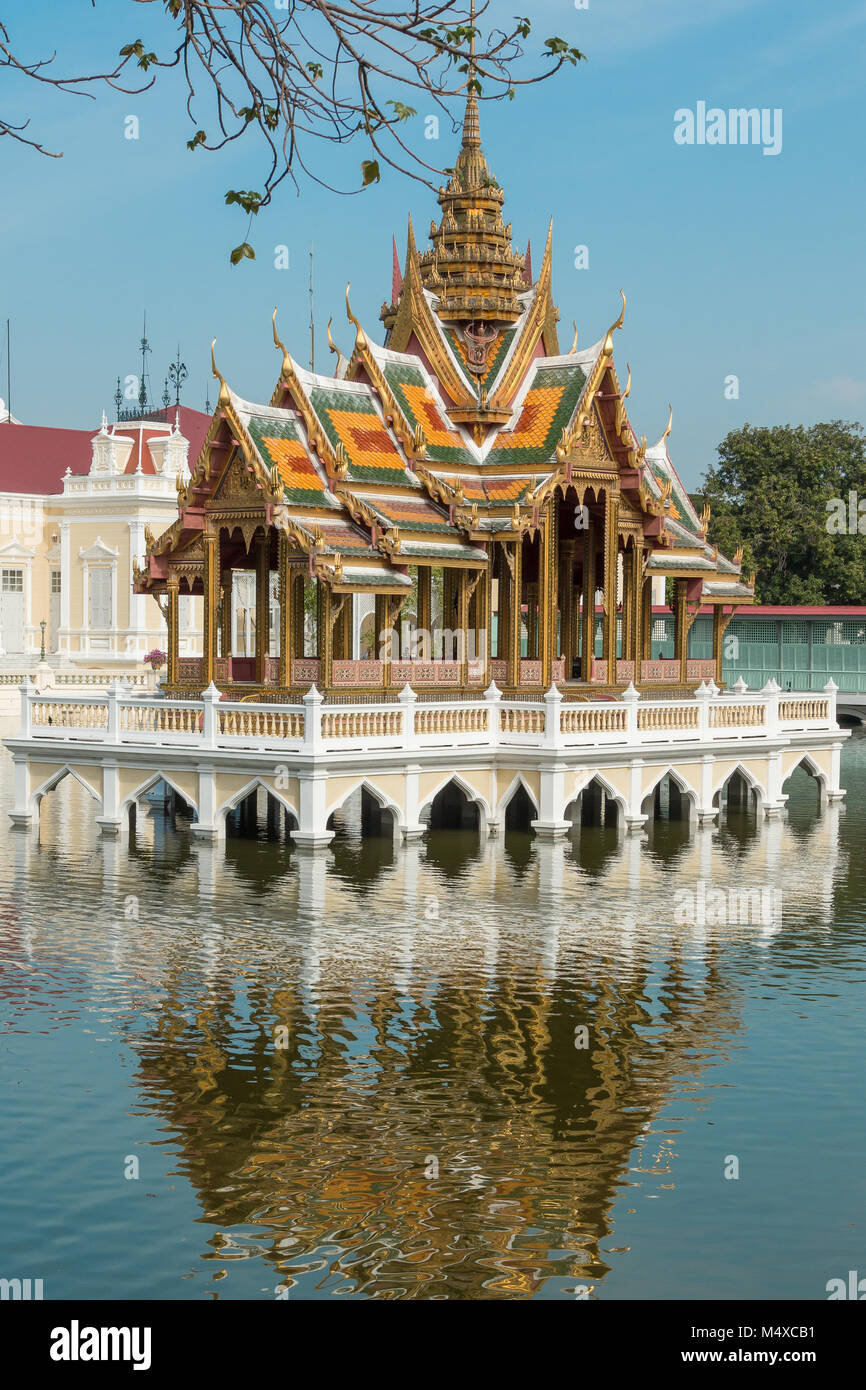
310 72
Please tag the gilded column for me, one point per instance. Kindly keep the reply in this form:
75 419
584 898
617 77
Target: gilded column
548 562
226 613
449 617
263 575
515 616
681 630
285 610
532 618
628 559
463 625
172 620
611 549
589 587
482 620
637 610
720 623
211 599
324 635
424 612
299 617
647 601
568 606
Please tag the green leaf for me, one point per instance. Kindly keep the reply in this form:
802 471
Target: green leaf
242 253
198 139
369 172
136 50
248 200
401 111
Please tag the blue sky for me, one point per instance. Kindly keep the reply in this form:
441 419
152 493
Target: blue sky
734 263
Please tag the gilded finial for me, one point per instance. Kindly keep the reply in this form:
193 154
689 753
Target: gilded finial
342 460
331 344
419 444
224 390
705 517
738 555
608 342
670 424
627 392
288 365
360 339
573 347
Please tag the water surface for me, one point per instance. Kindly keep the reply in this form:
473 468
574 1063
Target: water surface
458 1069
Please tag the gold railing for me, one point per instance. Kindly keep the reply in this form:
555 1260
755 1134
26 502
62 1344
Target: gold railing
668 717
737 716
451 721
159 719
56 714
255 723
804 709
363 724
521 721
592 721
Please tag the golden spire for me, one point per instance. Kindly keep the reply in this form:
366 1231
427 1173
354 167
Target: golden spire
473 268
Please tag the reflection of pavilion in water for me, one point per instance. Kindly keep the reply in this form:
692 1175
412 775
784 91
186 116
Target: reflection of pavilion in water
432 1018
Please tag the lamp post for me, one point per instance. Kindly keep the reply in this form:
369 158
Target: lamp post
43 625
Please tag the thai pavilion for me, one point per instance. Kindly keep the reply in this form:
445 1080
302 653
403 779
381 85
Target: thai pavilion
481 492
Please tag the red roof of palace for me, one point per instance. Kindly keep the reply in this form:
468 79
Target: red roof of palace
34 458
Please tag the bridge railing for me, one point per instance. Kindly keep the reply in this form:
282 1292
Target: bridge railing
121 717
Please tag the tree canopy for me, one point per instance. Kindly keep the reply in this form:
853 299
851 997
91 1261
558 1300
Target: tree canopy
288 75
789 495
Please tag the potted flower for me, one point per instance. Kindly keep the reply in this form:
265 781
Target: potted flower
155 658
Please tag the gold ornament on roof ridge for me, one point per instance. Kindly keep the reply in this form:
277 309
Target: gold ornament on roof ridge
607 350
288 368
360 337
224 395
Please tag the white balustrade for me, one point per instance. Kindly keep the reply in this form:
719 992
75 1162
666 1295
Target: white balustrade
120 716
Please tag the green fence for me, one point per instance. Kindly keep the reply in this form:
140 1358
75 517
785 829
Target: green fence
800 653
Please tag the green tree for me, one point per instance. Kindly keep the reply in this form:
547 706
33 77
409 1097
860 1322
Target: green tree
779 493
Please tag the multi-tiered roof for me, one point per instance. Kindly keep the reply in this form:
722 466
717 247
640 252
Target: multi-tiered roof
456 431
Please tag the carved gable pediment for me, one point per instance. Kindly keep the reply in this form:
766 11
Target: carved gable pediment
238 486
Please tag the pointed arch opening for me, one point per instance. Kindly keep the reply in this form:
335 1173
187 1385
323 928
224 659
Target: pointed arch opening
365 813
595 806
739 796
805 787
454 808
670 800
519 810
257 812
